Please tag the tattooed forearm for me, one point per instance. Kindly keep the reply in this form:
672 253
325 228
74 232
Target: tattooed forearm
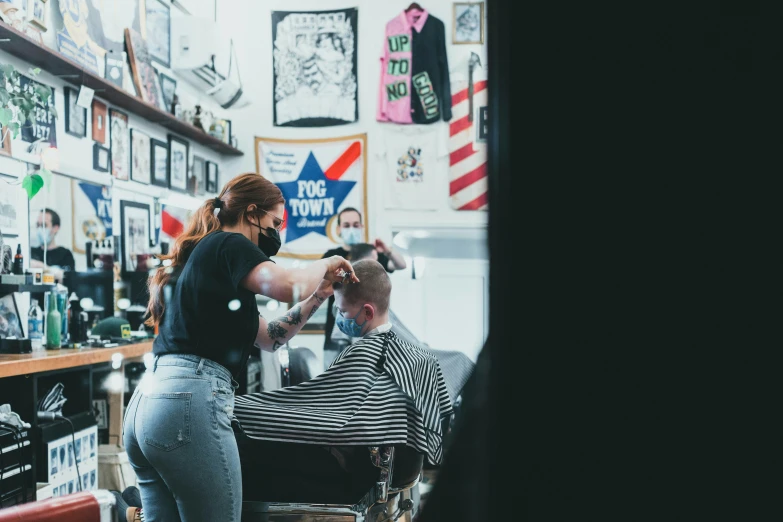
318 302
275 331
293 317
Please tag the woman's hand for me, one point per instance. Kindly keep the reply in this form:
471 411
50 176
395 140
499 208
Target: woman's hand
336 268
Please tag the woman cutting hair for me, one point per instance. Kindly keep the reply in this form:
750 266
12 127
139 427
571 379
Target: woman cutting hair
177 431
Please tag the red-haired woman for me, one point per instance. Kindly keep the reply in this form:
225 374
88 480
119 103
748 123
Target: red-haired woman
178 431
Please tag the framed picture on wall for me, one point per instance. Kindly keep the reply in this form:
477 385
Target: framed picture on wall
168 87
99 121
159 160
178 163
136 235
140 157
36 13
101 158
198 184
120 144
11 207
212 177
75 116
159 31
468 23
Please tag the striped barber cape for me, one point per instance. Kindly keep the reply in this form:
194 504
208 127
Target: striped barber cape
380 390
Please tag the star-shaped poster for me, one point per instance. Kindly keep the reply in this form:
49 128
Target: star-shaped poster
318 178
311 200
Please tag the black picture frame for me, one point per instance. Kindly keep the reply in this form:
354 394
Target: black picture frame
199 187
152 32
71 95
212 177
165 82
145 149
97 149
157 147
125 214
178 174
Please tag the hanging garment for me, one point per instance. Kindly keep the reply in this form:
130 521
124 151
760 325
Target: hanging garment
414 70
415 163
381 390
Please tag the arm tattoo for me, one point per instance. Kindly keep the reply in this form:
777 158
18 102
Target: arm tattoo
319 302
275 331
293 317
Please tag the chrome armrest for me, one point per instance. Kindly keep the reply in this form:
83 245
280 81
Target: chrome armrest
382 457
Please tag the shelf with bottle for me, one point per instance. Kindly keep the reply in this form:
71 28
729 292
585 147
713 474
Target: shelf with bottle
6 289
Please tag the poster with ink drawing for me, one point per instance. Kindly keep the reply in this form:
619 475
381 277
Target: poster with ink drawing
315 79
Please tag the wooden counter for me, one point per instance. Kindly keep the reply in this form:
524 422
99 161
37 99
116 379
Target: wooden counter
44 361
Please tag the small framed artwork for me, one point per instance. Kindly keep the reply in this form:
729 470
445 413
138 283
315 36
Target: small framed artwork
120 144
135 220
168 86
75 116
178 163
101 158
99 121
159 160
159 31
197 186
468 23
5 141
36 14
212 177
140 157
13 206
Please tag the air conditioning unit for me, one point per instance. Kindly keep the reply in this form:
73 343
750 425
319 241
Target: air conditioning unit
204 57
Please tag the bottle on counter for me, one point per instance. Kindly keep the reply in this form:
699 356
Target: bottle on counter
76 320
62 307
18 261
35 325
53 324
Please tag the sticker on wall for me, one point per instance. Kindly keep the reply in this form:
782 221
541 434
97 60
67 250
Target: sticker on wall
318 178
315 79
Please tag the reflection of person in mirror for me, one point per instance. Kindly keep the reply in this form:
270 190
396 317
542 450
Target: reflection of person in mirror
57 257
351 229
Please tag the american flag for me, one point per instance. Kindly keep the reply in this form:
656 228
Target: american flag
468 159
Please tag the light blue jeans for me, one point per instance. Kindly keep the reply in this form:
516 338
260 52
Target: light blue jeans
179 440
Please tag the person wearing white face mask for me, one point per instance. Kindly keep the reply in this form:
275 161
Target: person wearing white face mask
46 230
349 223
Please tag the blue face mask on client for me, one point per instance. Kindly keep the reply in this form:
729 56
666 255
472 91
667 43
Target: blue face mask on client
349 326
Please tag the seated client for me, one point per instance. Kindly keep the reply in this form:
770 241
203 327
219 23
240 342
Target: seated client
308 443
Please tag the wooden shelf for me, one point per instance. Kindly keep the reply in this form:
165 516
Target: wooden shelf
48 360
53 62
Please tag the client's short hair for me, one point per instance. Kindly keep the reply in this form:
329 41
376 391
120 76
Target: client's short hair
374 285
361 251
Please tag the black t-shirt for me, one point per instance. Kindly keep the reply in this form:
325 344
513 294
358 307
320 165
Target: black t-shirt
383 259
202 317
59 256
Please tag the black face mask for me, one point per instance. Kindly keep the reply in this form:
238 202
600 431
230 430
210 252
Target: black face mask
270 244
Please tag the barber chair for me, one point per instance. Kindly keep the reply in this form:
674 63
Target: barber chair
398 470
302 365
87 506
